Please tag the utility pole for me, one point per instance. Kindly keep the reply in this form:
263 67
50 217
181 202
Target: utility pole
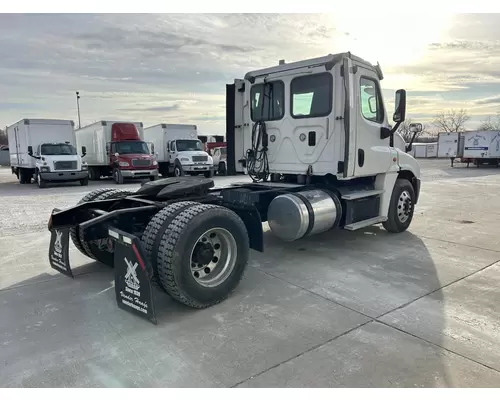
78 108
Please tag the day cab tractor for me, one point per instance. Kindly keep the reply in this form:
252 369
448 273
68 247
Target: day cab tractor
314 137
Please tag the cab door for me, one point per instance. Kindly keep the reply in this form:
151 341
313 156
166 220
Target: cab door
373 155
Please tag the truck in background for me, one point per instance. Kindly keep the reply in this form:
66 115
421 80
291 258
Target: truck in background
178 150
210 142
219 155
45 150
117 149
448 144
481 147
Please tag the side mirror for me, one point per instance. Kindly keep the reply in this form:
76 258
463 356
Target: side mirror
415 128
30 150
84 151
152 148
400 106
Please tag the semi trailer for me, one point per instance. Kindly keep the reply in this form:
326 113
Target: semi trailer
117 149
481 147
44 150
314 137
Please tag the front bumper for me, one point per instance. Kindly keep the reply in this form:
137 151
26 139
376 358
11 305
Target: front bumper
139 173
196 167
64 175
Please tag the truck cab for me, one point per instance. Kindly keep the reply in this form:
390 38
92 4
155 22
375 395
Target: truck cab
58 162
219 155
186 156
129 156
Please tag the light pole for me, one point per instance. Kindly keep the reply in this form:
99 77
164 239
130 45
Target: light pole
78 107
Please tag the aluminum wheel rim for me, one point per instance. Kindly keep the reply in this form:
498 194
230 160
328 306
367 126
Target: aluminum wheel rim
177 171
404 206
38 179
223 260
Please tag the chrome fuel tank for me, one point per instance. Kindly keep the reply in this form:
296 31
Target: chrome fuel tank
292 216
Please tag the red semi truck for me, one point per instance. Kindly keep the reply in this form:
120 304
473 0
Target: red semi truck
117 149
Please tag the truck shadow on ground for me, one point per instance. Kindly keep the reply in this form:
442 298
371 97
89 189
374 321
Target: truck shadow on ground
326 292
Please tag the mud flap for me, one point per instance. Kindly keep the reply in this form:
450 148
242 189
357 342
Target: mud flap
59 251
133 275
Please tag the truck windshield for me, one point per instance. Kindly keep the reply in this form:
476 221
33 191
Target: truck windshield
57 149
132 148
189 145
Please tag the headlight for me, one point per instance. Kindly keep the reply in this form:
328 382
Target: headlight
123 164
210 160
85 167
45 169
185 159
155 162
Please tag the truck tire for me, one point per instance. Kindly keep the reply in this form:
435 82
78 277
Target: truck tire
222 169
209 174
24 177
94 174
40 181
118 177
84 181
86 248
401 207
178 171
155 230
202 255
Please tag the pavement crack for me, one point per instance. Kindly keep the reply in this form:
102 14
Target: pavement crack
314 293
437 290
458 244
301 353
437 345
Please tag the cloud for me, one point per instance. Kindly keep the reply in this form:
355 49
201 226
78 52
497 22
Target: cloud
174 67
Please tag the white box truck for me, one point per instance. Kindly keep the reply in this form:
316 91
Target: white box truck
46 150
448 144
482 147
117 149
178 150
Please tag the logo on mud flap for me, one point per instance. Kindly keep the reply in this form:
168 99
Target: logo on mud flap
57 244
131 276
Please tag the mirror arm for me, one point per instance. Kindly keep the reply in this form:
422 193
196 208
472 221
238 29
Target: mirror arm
395 127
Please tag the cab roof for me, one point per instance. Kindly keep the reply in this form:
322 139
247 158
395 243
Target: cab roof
328 61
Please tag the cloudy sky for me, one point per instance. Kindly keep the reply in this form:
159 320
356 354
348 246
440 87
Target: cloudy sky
173 68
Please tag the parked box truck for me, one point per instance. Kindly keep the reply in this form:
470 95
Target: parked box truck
117 149
482 147
178 150
45 150
448 144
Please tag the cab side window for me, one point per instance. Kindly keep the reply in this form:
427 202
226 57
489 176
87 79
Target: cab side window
311 95
371 100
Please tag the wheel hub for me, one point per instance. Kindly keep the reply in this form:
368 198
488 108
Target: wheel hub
213 257
203 253
404 206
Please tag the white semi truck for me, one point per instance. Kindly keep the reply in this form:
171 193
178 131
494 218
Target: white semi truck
178 150
45 150
313 135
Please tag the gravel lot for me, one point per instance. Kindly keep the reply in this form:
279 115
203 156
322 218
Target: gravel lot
340 309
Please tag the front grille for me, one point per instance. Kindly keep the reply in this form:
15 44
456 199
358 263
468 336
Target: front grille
65 165
141 163
200 158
